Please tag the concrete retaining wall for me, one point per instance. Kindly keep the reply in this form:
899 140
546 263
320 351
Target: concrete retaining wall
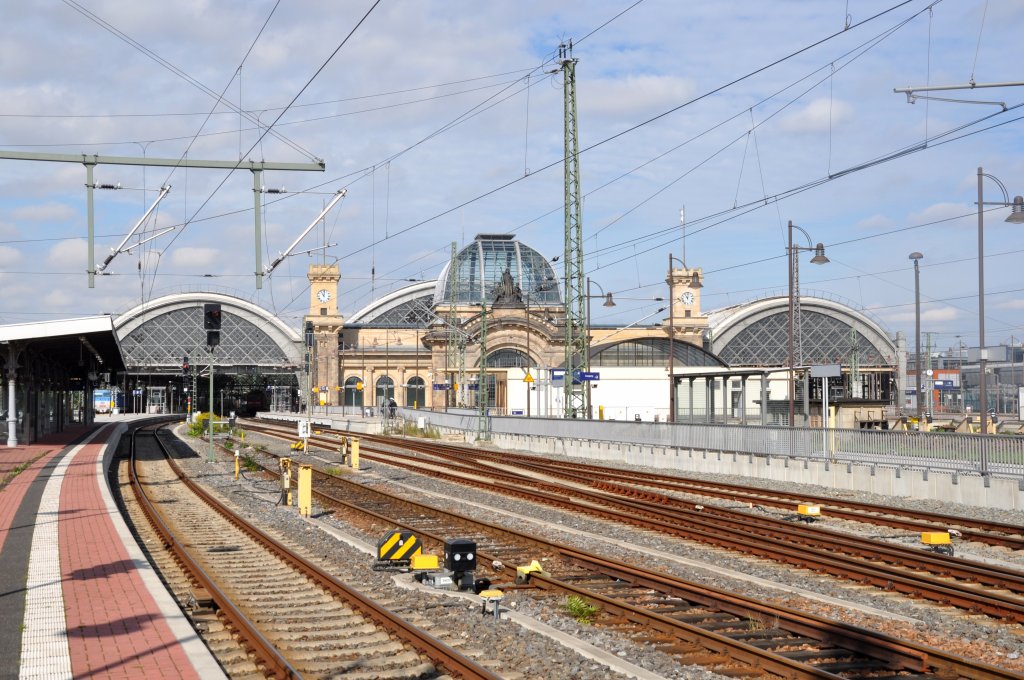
995 492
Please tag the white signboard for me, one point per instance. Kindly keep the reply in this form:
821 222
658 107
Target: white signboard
303 428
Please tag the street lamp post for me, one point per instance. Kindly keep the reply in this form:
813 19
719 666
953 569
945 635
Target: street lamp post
608 302
916 256
794 285
1016 217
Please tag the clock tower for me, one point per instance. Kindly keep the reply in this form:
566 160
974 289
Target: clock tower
323 315
686 322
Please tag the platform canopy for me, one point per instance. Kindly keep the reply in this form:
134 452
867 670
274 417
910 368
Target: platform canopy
70 341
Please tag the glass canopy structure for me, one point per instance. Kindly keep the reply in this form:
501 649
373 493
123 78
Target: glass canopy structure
479 268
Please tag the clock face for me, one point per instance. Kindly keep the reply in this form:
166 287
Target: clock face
323 295
687 298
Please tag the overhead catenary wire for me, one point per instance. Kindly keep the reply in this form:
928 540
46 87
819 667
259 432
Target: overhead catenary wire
637 126
91 16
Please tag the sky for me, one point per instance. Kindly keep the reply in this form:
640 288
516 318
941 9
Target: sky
443 119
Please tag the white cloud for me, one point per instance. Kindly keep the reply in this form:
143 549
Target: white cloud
943 211
874 222
57 299
193 258
820 115
9 257
634 95
44 212
1011 304
929 314
68 255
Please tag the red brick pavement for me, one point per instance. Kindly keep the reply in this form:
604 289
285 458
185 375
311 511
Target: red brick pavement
14 485
115 629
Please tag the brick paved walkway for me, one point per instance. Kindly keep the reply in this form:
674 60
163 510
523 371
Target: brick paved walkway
90 605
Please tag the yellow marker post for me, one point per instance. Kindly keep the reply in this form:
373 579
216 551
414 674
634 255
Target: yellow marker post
353 453
286 480
600 412
238 456
305 490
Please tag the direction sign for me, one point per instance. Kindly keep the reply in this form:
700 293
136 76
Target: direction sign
585 376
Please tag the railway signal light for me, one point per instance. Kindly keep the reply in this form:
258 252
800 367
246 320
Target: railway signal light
212 338
211 316
184 366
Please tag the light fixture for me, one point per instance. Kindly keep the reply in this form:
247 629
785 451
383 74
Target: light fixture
819 255
695 281
1017 211
608 302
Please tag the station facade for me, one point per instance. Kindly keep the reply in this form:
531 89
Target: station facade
491 328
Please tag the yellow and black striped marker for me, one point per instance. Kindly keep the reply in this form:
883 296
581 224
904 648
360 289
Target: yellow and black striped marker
397 548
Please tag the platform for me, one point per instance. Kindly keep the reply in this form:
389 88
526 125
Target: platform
78 596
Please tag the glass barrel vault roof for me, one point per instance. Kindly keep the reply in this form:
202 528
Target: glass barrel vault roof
479 267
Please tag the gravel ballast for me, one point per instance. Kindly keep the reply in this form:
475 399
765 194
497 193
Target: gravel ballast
540 657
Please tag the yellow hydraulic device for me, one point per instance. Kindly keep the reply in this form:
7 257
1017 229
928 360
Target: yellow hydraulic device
420 562
353 453
938 541
298 446
523 573
808 512
286 481
305 490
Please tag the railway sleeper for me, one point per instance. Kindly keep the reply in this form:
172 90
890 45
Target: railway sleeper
369 646
859 666
780 640
372 668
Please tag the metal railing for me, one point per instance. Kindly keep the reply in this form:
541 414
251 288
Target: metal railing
999 455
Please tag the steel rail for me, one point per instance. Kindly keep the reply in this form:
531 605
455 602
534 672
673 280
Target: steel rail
856 639
870 549
255 642
983 531
439 653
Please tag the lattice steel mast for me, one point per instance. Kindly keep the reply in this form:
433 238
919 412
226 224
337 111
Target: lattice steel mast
577 338
455 348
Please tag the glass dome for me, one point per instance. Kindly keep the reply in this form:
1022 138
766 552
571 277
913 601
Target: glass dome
479 267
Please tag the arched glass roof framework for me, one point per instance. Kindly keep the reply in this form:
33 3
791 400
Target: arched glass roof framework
158 334
651 352
757 334
480 265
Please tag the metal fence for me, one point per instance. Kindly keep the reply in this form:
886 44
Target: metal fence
999 455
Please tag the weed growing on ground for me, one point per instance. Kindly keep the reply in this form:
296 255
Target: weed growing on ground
581 609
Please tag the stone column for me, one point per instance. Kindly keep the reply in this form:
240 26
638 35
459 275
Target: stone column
13 354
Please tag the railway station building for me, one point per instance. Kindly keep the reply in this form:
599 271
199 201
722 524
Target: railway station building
491 327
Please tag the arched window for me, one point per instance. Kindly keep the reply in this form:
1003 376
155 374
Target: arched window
353 391
507 358
415 393
385 389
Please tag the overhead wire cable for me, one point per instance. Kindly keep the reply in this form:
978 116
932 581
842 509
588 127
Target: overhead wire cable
174 69
283 111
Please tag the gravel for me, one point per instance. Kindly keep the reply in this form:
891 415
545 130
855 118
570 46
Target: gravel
535 656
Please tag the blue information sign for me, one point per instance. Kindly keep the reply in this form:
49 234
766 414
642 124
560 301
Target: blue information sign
585 376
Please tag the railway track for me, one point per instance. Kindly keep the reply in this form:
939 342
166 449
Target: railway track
1009 536
986 589
293 618
725 632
